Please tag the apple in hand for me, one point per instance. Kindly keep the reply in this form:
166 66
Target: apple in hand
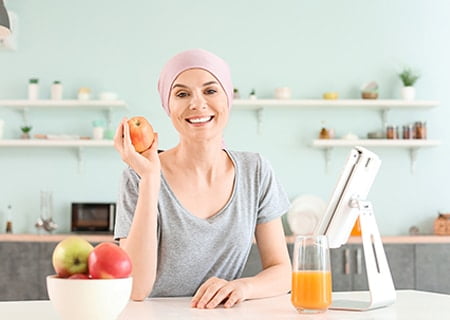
141 133
70 256
109 261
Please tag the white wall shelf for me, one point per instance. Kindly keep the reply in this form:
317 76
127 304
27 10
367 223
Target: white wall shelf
412 144
381 105
25 106
79 145
375 104
55 143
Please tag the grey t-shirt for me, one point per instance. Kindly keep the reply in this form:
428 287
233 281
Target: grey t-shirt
191 249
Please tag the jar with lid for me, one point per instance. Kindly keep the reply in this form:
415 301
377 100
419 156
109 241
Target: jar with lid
420 130
391 132
407 132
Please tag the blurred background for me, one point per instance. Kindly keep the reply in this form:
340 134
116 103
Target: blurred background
311 47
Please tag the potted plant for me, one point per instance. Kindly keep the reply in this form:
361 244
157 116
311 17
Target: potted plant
252 95
25 132
409 78
236 94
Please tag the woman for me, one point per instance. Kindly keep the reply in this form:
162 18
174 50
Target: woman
187 216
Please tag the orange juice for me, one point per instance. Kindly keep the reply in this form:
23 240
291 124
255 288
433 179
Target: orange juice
356 231
311 290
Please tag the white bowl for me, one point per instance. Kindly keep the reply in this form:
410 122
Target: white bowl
99 299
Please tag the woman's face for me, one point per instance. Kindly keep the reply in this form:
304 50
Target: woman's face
198 105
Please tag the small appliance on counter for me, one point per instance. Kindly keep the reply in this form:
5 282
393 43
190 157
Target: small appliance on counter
93 217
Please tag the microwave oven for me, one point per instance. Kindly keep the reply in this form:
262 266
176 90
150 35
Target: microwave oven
93 217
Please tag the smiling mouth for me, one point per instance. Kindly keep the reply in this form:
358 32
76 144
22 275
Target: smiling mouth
200 120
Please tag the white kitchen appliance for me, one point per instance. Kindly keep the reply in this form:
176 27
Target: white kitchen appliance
348 202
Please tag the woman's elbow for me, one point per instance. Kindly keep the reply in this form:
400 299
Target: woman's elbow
139 292
139 295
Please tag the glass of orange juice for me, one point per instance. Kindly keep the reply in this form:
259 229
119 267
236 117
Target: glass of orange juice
311 274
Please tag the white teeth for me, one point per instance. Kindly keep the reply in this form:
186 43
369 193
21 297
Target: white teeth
200 120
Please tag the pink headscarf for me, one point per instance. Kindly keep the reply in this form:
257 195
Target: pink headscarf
190 59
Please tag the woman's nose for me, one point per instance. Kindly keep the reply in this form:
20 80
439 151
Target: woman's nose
197 101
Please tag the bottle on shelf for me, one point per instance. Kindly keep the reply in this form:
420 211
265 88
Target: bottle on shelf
9 225
33 89
98 131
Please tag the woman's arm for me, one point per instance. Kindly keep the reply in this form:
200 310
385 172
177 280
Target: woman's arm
274 279
141 242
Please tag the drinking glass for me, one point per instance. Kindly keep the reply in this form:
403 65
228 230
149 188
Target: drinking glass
46 205
311 274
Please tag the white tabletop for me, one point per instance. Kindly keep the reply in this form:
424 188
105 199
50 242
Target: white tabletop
410 305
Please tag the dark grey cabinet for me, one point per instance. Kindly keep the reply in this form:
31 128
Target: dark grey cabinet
349 269
23 267
432 265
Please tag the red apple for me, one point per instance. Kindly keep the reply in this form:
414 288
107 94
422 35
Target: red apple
70 256
79 276
109 261
141 133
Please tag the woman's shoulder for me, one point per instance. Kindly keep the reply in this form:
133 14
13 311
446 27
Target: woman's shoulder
249 160
245 156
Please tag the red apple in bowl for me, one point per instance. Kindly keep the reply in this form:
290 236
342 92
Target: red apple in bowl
70 256
141 133
109 261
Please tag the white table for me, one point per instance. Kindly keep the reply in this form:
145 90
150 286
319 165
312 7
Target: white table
410 305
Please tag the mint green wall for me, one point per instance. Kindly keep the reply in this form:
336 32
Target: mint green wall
310 46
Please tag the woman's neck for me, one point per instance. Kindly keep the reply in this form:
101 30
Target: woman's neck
203 159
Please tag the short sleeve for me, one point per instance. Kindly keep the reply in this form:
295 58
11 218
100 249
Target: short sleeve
273 200
126 204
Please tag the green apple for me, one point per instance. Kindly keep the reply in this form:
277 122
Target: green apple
70 256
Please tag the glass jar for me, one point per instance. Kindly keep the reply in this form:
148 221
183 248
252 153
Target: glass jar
420 130
407 132
391 132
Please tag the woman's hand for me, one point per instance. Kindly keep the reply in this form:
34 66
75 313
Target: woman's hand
215 291
145 163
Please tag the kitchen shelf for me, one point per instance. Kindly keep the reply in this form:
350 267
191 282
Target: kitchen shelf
79 144
92 104
55 143
413 145
376 104
381 105
25 106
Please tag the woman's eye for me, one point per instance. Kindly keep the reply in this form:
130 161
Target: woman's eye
211 91
181 94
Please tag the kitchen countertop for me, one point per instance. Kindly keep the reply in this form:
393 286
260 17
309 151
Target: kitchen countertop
410 305
53 237
289 239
